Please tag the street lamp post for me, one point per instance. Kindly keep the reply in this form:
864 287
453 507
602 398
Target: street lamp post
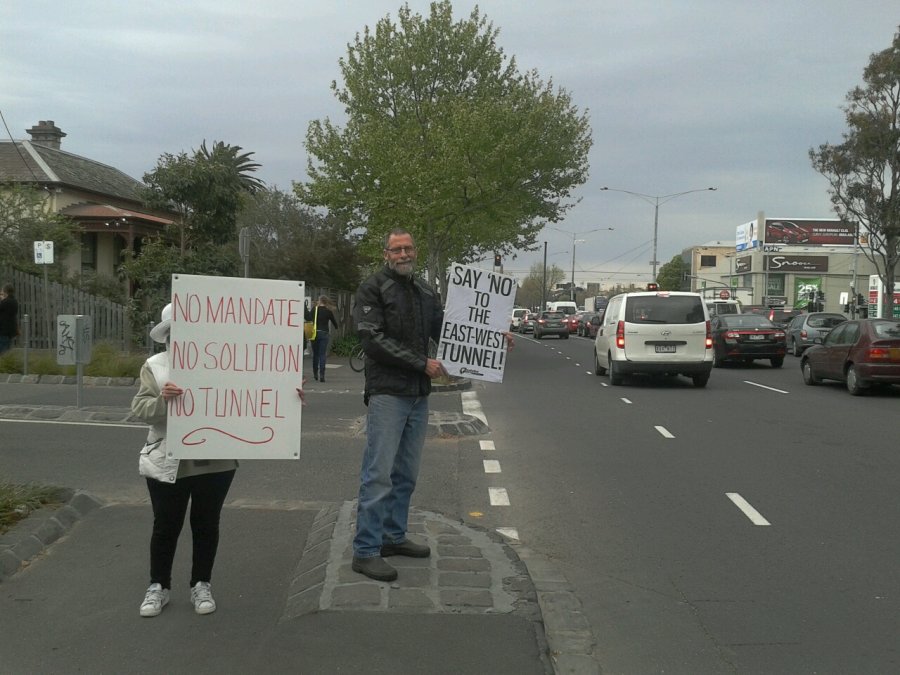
577 241
656 200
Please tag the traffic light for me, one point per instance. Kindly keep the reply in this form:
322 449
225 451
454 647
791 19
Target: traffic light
498 261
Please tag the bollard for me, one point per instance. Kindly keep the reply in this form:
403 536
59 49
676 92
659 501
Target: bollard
149 339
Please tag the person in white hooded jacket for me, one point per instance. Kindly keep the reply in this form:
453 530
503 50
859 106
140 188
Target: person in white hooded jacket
173 484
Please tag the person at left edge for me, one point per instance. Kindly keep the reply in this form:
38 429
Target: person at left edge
9 317
324 318
172 483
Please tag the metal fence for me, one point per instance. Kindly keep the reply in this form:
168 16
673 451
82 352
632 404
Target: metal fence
43 303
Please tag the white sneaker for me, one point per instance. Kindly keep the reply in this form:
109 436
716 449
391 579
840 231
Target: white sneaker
201 596
156 598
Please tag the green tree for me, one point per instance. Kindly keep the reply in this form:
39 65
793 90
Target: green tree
445 137
206 188
290 241
25 219
863 172
533 290
671 275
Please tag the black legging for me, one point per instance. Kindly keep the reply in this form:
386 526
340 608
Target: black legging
206 493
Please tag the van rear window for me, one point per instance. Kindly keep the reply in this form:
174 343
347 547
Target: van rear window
664 309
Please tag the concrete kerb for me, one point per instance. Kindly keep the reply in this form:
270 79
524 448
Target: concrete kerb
569 636
28 538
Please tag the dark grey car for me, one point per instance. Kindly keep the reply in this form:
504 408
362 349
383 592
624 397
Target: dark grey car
551 323
805 328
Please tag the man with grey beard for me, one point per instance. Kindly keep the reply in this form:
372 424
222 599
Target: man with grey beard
396 315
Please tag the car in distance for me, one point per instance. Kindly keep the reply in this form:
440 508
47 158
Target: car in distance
580 318
551 323
860 353
591 324
515 323
527 325
785 232
803 330
655 332
747 337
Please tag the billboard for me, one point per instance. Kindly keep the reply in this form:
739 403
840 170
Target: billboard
746 236
800 232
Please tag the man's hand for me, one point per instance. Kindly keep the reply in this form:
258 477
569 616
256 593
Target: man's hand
434 368
171 390
510 341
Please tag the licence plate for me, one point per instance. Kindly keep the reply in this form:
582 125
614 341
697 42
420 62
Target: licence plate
665 349
757 337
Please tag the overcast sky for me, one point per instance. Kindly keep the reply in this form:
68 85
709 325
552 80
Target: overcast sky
682 96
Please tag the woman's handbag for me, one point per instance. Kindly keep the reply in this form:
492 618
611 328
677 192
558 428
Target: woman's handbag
309 327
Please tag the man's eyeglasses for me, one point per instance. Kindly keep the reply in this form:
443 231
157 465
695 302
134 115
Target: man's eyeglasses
397 250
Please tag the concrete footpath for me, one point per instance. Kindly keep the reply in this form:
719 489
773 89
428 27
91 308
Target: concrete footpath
71 580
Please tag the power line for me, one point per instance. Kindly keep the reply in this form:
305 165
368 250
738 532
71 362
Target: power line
18 150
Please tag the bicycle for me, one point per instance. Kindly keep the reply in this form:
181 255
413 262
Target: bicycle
357 359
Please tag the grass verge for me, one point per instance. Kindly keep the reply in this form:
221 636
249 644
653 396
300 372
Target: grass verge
17 501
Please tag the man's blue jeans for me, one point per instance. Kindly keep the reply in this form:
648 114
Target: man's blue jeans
395 435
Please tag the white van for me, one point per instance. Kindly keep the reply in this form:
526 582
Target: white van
515 322
565 306
655 332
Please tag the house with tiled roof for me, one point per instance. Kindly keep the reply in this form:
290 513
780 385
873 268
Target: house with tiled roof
105 202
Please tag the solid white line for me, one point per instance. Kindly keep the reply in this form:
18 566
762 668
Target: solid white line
625 400
471 406
81 424
762 386
509 533
665 432
487 445
754 515
491 465
499 496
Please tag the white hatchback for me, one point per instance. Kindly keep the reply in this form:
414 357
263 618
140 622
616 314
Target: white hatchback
655 332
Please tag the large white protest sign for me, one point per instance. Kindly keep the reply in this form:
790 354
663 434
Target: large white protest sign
478 311
237 351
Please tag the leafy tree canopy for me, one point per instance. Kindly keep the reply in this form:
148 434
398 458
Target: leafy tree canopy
445 137
25 219
863 172
290 241
533 289
671 275
206 188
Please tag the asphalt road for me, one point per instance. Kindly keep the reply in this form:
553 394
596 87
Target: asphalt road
748 527
634 492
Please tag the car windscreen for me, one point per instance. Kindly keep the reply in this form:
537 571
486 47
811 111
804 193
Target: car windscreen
664 309
825 321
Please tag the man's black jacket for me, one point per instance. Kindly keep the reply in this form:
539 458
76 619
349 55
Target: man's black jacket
395 317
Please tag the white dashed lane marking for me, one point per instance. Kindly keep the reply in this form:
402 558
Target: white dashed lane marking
487 445
472 406
491 466
754 515
509 533
665 433
625 400
499 496
762 386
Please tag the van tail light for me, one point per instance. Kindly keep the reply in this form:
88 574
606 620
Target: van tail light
804 335
709 340
620 335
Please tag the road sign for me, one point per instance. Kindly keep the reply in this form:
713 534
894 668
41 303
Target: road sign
43 253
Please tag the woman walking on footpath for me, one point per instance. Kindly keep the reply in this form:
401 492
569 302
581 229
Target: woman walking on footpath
173 483
9 317
323 316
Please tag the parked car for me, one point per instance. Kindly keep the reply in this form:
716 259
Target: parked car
551 323
746 337
860 353
527 325
805 328
515 322
655 332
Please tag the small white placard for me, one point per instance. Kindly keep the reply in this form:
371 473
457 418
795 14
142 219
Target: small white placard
477 314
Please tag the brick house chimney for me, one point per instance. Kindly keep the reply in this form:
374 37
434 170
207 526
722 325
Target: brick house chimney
46 133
